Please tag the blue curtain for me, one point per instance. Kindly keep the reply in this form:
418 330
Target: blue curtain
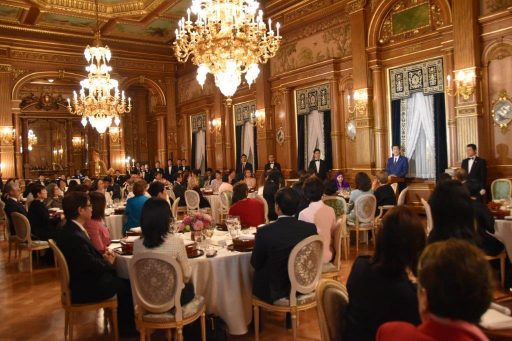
301 140
255 149
440 133
193 159
327 140
238 133
395 122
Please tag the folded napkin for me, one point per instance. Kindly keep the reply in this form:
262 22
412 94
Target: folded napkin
246 237
493 319
188 242
509 217
136 229
131 239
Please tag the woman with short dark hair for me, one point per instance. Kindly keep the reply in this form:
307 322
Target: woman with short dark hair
251 211
381 288
270 189
363 186
455 288
155 221
134 205
41 225
95 227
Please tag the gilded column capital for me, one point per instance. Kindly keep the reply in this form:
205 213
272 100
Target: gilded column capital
355 5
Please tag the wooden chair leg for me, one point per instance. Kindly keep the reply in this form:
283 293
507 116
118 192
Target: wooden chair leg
357 242
256 314
168 334
142 333
179 332
203 326
70 326
30 260
115 329
502 271
294 325
9 257
66 325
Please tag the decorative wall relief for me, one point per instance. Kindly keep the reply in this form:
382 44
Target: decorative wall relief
243 112
189 88
198 122
426 77
314 98
493 6
410 18
333 42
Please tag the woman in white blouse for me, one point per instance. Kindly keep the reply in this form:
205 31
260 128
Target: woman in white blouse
154 223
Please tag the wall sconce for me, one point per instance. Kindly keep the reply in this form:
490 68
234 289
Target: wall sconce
7 134
360 101
258 118
115 134
76 142
127 162
215 125
464 84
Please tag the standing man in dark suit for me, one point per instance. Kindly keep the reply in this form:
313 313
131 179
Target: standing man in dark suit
157 169
184 166
169 170
92 276
242 167
271 165
12 204
317 165
273 245
475 167
398 166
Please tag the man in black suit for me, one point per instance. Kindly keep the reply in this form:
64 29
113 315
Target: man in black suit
383 191
118 178
146 173
242 167
92 275
42 180
179 189
475 167
317 166
184 166
271 165
157 169
169 170
273 245
12 204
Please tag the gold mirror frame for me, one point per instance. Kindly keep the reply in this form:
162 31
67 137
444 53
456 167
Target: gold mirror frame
502 110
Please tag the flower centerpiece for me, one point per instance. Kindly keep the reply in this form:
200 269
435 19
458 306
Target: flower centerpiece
195 223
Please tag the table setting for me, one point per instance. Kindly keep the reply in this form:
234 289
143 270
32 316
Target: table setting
114 219
220 261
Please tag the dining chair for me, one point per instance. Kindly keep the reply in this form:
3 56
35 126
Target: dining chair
24 238
402 197
265 206
502 257
192 200
157 282
338 204
3 219
226 198
332 301
12 239
341 246
501 189
364 209
304 270
71 310
428 213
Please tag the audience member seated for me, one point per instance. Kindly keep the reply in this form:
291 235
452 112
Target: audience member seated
273 245
55 195
443 177
226 184
157 190
455 289
363 186
12 203
484 221
232 177
101 187
92 275
193 184
155 220
381 287
134 205
299 188
179 188
383 191
270 189
340 182
249 179
95 227
61 183
72 185
216 182
460 175
319 214
452 213
251 211
42 227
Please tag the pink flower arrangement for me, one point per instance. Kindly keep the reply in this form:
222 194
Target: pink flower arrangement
196 221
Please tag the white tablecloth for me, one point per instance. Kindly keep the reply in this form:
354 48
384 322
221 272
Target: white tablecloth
225 281
503 232
114 224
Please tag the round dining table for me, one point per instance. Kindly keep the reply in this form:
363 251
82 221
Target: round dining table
225 281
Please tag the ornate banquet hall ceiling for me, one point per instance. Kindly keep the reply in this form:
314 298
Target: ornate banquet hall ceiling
135 20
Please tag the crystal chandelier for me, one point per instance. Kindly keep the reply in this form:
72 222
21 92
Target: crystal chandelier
228 39
95 103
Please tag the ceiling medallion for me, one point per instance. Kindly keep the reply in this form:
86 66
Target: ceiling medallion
228 39
98 106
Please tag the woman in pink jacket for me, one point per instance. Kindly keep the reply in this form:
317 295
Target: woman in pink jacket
95 227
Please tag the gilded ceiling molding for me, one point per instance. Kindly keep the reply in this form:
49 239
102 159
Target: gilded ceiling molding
355 5
326 23
148 83
310 7
497 50
87 7
15 72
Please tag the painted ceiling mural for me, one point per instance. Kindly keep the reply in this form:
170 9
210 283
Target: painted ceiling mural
145 20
